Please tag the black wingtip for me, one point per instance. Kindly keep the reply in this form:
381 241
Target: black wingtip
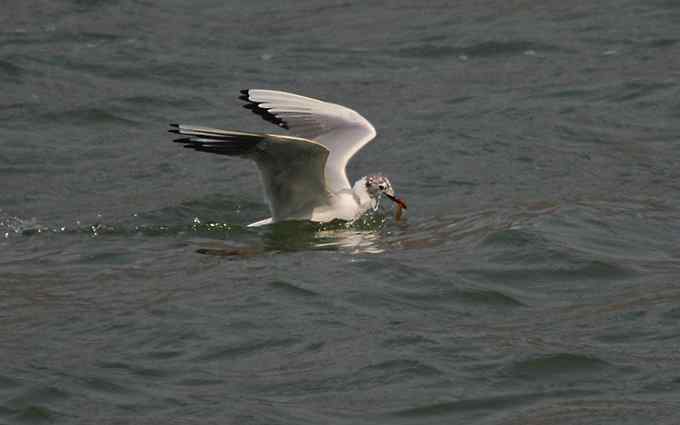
186 140
174 125
255 108
174 130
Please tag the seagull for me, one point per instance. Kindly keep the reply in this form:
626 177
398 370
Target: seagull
304 174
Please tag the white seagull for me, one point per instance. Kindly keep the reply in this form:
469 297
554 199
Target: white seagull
303 175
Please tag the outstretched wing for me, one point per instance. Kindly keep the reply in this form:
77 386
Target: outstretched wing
340 129
291 168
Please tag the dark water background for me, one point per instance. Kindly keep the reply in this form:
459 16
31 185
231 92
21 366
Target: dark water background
535 280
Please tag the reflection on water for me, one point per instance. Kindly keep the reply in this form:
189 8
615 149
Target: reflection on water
364 236
352 241
356 241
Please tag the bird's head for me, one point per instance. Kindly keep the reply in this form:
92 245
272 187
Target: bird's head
377 185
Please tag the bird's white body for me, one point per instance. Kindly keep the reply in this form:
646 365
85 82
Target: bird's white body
303 175
346 205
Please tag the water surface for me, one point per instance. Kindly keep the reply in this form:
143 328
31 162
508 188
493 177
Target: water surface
533 280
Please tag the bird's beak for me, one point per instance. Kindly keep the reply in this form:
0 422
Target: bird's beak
397 200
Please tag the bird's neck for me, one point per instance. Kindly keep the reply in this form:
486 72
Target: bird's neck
361 195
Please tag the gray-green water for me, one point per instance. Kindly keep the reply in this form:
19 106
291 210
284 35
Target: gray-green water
534 280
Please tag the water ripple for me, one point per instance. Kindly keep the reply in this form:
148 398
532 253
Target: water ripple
482 50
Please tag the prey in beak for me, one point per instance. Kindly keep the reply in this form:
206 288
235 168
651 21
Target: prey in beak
397 201
379 184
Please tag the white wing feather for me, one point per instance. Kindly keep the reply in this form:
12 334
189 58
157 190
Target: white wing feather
342 130
291 168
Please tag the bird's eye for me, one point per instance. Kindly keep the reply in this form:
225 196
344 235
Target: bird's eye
381 187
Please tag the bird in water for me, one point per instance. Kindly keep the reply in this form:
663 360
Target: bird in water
303 175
